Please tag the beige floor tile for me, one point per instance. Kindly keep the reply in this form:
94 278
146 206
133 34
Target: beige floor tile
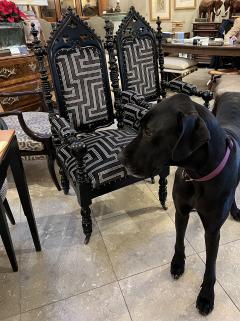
55 212
9 294
13 318
155 296
139 240
102 304
228 269
130 198
65 267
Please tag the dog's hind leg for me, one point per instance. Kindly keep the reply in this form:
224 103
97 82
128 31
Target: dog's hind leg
235 212
178 261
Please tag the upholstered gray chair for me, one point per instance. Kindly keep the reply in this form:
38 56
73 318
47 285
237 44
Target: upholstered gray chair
33 132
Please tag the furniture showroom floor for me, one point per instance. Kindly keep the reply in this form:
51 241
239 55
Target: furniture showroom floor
123 274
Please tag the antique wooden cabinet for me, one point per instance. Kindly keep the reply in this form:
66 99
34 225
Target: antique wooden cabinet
205 29
19 73
83 8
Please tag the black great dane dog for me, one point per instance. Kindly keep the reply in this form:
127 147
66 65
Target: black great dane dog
182 133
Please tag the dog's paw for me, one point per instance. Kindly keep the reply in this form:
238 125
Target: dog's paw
177 267
236 214
205 303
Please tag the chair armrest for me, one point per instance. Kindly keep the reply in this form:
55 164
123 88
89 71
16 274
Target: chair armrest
129 97
35 136
133 114
66 137
190 89
63 132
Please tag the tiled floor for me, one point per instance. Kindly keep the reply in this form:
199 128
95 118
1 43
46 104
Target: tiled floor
123 274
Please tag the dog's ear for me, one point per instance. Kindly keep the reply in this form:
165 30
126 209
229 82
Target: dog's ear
193 134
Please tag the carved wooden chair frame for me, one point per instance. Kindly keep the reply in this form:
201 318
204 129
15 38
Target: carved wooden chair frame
72 31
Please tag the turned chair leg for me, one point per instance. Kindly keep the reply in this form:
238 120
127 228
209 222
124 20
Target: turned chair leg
86 223
64 181
8 212
163 191
51 169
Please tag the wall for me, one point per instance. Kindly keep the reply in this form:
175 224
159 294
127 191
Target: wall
186 15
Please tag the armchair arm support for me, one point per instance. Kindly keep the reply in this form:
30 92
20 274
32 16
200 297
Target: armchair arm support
67 135
35 136
130 97
64 135
190 89
133 114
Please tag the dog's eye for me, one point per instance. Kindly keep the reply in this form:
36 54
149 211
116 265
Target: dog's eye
147 132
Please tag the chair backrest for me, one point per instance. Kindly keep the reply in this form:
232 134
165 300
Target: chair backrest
79 74
137 52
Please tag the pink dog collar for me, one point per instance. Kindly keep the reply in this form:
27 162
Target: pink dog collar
215 172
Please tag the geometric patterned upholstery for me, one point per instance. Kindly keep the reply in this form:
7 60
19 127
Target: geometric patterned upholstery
102 165
82 85
133 114
138 54
37 122
3 190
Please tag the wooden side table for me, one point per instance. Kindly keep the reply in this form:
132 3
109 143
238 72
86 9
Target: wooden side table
10 156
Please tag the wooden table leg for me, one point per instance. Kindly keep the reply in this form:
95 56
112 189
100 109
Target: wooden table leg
6 238
22 187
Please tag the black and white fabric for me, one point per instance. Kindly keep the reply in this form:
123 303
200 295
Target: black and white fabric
37 122
82 85
133 114
138 54
129 97
3 190
102 164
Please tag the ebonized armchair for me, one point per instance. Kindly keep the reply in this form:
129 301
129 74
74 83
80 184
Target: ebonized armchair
87 157
141 61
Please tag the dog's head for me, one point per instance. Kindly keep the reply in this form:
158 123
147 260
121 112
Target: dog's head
169 134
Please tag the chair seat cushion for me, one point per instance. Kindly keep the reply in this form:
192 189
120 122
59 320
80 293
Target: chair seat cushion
178 63
37 122
102 164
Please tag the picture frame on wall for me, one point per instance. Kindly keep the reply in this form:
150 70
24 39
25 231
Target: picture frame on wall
160 8
184 4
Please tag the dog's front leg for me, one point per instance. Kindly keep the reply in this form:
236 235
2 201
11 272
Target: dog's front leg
205 300
178 260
